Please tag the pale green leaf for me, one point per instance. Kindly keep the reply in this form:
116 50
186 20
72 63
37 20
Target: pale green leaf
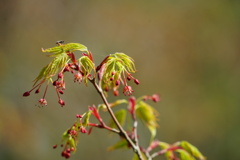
184 155
86 118
52 68
168 154
71 47
192 150
120 144
148 115
56 50
135 156
121 117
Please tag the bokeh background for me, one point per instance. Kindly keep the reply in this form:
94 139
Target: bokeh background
186 51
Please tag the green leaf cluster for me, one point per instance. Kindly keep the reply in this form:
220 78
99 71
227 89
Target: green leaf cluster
116 65
60 59
59 62
186 151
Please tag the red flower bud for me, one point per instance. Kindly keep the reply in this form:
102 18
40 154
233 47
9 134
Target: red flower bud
78 116
83 130
68 150
60 75
155 98
54 146
37 91
26 94
66 69
116 93
55 83
61 102
60 91
136 81
129 78
106 89
117 83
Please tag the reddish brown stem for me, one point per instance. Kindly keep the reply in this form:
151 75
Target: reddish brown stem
122 132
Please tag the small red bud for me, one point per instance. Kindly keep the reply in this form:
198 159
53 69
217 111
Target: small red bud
37 91
66 69
73 132
111 79
78 116
72 149
61 102
60 75
60 91
54 146
116 93
136 81
68 150
68 155
117 83
26 94
129 78
155 98
83 130
106 89
63 153
55 83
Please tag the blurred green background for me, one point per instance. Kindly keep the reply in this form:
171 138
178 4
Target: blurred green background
186 51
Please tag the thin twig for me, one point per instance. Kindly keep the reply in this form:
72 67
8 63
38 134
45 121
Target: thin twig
122 133
104 127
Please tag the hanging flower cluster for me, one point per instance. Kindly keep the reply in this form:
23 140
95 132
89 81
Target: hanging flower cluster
113 71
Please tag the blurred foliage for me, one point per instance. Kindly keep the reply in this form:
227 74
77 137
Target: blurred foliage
193 47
